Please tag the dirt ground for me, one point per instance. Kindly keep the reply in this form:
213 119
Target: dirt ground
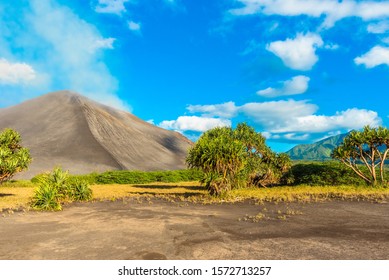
156 229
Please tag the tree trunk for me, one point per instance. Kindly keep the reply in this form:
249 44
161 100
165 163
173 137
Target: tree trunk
382 165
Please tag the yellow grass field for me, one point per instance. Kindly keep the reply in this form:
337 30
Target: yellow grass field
18 194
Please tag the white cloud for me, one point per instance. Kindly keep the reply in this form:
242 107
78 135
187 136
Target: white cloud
379 27
376 56
274 114
15 73
285 119
111 6
298 53
194 123
296 85
345 120
225 110
134 26
295 136
333 10
299 117
66 51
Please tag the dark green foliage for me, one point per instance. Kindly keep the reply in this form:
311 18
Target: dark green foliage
142 177
328 173
13 157
234 158
55 188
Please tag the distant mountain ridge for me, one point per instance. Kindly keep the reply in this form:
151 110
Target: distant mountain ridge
320 150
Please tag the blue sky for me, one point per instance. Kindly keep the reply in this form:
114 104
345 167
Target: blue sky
296 70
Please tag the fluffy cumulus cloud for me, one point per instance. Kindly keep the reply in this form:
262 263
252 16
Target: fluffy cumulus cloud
194 123
298 53
376 56
65 49
332 10
111 6
281 120
345 120
15 73
296 85
299 117
274 114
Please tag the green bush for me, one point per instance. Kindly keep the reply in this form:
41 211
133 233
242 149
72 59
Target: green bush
322 174
56 187
46 198
80 191
133 177
88 178
142 177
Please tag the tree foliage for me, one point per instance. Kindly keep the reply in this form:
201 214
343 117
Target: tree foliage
368 148
232 158
13 157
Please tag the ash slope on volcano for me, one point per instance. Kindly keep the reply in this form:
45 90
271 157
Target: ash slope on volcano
80 135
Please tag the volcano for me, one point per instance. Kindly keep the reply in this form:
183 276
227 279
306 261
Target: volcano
69 130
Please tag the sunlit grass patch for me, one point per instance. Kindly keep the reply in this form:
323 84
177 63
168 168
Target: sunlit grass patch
193 192
17 184
309 193
115 191
19 194
15 197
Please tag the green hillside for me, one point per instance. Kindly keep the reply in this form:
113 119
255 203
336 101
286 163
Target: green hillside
320 150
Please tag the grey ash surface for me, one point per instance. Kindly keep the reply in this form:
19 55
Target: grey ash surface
68 130
156 229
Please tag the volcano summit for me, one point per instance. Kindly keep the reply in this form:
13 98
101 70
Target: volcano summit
80 135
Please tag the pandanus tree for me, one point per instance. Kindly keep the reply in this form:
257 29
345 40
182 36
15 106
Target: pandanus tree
239 157
13 157
368 148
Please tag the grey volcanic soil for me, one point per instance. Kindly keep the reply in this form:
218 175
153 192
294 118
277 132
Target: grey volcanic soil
80 135
139 229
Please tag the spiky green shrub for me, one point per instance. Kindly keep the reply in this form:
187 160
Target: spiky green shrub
46 198
80 191
55 188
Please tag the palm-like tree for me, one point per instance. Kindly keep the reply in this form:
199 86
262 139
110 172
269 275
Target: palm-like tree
235 158
368 147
